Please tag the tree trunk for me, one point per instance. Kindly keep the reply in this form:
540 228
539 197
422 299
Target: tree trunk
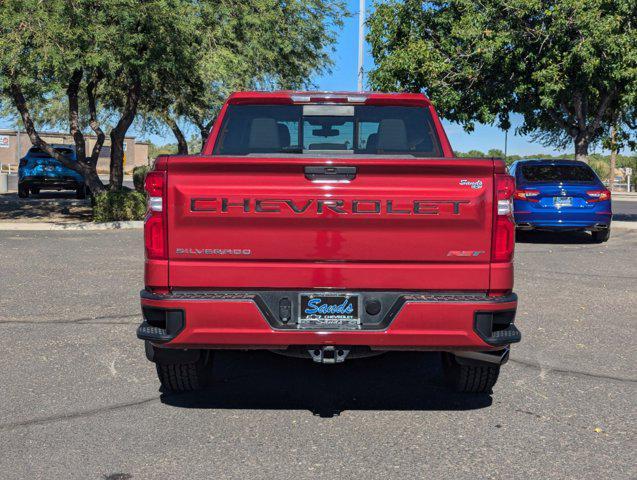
581 147
118 134
91 88
613 158
204 137
182 144
116 178
72 93
92 179
204 129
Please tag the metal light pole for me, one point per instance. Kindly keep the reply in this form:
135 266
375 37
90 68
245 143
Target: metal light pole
506 143
361 42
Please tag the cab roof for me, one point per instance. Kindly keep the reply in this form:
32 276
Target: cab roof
292 97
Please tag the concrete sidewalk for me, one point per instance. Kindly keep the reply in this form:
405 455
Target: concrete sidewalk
624 196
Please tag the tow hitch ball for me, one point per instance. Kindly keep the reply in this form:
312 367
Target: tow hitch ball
328 354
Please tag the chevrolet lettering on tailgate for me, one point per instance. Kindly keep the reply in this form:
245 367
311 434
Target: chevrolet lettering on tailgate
321 206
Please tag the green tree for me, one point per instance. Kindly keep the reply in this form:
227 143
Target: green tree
561 64
152 55
44 47
79 52
245 45
472 154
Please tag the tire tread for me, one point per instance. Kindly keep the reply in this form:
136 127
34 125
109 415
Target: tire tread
471 378
180 377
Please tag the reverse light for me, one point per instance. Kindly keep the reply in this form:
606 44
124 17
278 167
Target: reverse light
527 195
155 222
503 241
155 204
598 195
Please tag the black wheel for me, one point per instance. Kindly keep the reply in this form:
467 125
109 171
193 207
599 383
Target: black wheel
601 236
80 192
469 378
23 191
35 190
185 377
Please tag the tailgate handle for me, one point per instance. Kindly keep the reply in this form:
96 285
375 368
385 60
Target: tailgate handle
329 173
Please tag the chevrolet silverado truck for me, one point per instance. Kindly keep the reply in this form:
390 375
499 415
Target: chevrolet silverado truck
328 226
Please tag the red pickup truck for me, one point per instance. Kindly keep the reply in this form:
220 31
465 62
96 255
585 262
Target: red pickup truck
328 226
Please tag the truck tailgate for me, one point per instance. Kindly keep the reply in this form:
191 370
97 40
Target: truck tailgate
267 223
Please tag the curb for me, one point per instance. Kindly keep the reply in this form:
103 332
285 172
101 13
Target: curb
40 226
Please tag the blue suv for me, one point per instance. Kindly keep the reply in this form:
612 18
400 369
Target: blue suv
39 171
560 195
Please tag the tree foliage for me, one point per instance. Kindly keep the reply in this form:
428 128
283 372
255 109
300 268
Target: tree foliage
565 65
253 44
97 64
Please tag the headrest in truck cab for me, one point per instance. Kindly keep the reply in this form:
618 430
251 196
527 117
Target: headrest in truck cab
392 135
284 135
264 134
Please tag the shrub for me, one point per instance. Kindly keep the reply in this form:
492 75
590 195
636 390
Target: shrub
120 205
139 174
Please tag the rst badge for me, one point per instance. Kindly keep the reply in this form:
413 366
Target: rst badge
465 253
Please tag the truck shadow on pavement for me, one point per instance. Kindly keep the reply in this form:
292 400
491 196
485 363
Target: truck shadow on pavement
266 381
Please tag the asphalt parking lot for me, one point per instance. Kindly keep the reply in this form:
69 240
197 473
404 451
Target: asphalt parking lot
79 400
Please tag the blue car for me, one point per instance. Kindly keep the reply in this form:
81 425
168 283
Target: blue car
39 171
560 195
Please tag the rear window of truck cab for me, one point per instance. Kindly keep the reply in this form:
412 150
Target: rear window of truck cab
558 173
327 129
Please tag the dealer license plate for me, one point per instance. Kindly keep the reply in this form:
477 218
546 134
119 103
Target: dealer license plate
327 310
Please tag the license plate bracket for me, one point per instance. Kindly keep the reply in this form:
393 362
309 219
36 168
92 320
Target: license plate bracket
340 311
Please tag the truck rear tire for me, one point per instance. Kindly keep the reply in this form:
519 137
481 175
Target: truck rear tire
478 378
182 376
23 191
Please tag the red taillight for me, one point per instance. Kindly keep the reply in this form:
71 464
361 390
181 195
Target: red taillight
598 195
503 241
154 183
155 223
527 195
